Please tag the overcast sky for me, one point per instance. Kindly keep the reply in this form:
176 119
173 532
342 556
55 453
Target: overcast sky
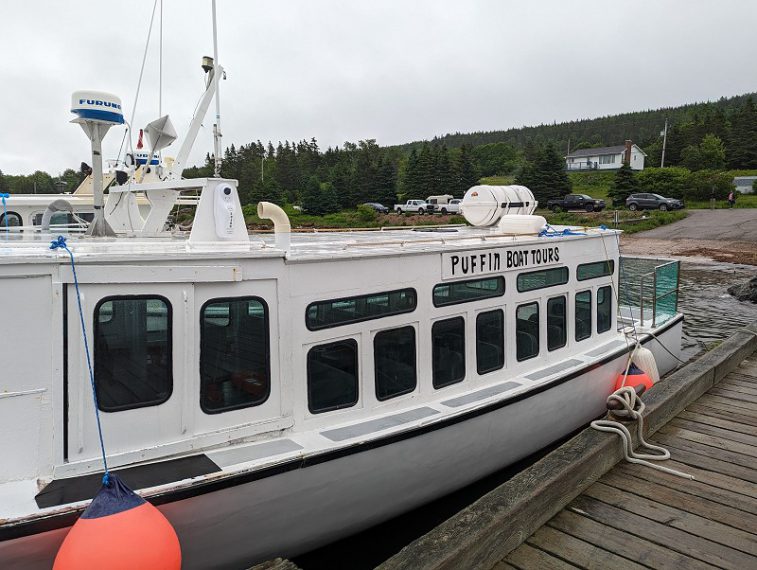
345 70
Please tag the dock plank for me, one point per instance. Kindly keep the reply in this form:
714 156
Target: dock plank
735 394
672 538
700 426
718 422
667 439
729 415
624 544
713 441
576 551
741 387
526 557
674 517
701 506
733 403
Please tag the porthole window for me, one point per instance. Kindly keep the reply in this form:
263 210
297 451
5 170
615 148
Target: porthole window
133 367
234 354
394 362
332 376
448 352
527 331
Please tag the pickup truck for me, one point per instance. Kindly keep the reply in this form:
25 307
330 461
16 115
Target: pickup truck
576 202
412 206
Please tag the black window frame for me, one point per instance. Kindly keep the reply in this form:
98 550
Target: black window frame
538 331
564 298
607 263
479 370
491 294
11 214
409 390
607 289
545 270
266 314
591 314
434 325
169 341
354 344
312 327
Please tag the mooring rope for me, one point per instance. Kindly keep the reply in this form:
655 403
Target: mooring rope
632 407
60 243
4 196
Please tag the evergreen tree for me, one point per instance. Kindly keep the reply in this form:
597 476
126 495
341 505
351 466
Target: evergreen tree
468 176
742 143
311 197
550 180
624 185
3 183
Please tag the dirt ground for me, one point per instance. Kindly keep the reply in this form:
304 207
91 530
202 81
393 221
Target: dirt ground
720 235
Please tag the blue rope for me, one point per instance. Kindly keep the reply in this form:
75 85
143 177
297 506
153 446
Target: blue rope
60 243
3 196
549 231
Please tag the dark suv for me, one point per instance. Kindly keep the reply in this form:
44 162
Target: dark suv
645 201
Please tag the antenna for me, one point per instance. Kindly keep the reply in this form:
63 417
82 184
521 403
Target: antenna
96 112
217 126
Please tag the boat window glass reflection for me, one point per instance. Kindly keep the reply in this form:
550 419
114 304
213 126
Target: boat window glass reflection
132 352
557 335
234 354
604 309
527 331
448 352
336 312
594 270
332 376
14 220
542 279
490 341
583 315
466 291
394 361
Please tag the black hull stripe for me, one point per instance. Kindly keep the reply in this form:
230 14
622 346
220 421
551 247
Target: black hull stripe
68 518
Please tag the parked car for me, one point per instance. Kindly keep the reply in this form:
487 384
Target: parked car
412 206
576 202
647 201
380 208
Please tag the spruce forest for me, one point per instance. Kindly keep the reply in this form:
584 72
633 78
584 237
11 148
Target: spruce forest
712 136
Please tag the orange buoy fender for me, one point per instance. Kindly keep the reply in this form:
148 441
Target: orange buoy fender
636 377
120 531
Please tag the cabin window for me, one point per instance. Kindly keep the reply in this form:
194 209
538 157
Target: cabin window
583 315
14 220
133 366
394 361
542 279
467 291
527 331
448 352
234 354
594 270
490 341
337 312
604 309
557 334
332 376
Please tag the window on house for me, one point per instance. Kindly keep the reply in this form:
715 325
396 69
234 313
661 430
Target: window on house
234 354
132 353
557 334
594 270
527 331
542 279
448 351
604 309
467 291
490 341
332 376
583 315
394 362
607 158
337 312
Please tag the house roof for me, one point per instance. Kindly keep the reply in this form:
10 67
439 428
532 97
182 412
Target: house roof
584 152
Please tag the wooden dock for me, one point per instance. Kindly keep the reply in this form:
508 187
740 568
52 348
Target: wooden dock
637 517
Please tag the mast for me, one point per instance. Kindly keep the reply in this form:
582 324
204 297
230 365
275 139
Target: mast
217 126
664 141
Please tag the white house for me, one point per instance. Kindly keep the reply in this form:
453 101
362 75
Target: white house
744 184
606 158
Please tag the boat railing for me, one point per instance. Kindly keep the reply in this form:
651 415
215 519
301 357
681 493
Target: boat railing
656 291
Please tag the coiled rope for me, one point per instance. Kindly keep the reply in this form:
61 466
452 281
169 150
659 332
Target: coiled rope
60 243
632 408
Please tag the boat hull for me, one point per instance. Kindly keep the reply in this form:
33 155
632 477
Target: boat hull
294 510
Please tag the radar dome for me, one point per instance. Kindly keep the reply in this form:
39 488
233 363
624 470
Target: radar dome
97 106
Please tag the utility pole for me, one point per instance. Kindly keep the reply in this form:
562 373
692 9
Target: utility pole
262 160
664 142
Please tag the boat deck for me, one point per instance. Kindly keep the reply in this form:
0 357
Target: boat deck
636 517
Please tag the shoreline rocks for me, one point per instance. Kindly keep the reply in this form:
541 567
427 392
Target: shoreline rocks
745 291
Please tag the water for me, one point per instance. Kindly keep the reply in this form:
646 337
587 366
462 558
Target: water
711 315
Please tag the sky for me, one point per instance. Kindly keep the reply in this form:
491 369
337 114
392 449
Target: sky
347 70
